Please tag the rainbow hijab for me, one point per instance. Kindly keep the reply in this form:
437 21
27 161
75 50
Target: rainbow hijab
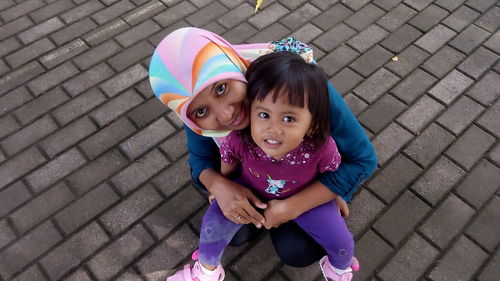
189 59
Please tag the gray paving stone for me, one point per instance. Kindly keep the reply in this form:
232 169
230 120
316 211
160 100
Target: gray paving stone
387 4
240 33
144 12
13 197
401 218
236 16
367 38
418 4
460 115
334 37
81 11
8 45
137 33
443 61
14 27
300 16
331 17
480 5
55 170
40 30
491 270
19 165
337 59
308 273
429 144
129 276
8 125
20 9
390 141
112 12
78 106
73 31
371 61
420 114
96 171
345 80
175 13
429 17
30 52
401 38
494 42
376 85
28 248
460 262
276 30
63 53
115 107
268 16
174 211
41 208
79 275
408 60
175 146
469 38
480 184
478 62
51 10
450 87
176 176
413 86
124 80
411 261
363 211
28 135
490 119
116 256
356 4
396 17
394 178
435 38
105 32
307 33
6 234
371 250
214 27
364 17
161 261
88 79
261 251
128 211
461 18
494 154
107 137
31 274
147 138
355 104
147 112
475 141
52 78
231 3
381 113
140 171
97 54
20 76
447 221
450 5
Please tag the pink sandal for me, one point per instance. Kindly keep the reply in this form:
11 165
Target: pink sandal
195 273
330 275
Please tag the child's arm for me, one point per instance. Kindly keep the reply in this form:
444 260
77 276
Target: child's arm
227 169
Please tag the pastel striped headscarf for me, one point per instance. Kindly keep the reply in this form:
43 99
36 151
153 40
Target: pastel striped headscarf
190 59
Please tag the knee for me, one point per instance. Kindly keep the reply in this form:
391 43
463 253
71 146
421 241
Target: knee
296 257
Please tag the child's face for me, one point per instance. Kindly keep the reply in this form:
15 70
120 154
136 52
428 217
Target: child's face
221 106
278 127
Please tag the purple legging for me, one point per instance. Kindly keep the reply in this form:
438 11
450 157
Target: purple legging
323 223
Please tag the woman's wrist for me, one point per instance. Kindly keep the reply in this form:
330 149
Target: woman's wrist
211 179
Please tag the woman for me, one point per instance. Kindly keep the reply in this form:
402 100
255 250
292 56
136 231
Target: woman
200 76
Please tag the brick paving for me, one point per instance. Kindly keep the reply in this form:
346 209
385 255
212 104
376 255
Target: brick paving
94 183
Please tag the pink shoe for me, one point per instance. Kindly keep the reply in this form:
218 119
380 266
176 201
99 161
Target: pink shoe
196 274
330 275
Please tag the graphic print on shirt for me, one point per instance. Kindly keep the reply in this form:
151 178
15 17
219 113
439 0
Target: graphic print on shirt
275 187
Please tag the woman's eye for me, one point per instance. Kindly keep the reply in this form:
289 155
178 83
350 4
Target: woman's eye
221 89
288 119
201 112
263 115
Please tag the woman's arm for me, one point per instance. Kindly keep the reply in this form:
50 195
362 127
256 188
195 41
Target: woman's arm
233 199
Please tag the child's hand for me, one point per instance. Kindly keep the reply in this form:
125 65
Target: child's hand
277 213
342 206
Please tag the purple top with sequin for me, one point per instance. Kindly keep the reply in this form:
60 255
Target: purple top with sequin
279 178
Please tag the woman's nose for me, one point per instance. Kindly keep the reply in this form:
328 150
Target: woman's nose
225 114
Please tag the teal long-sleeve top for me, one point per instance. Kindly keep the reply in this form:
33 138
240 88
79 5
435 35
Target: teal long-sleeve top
358 155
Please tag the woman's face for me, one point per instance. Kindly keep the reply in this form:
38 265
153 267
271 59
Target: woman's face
221 106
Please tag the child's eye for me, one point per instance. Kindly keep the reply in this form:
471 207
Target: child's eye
221 89
201 112
288 119
263 115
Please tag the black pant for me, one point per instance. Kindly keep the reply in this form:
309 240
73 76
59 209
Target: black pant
292 244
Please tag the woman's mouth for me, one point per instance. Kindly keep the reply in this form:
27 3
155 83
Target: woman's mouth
239 119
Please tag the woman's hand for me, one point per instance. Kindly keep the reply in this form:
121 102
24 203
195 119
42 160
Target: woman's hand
342 206
278 212
235 202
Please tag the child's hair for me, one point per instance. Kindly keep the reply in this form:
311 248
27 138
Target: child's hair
286 73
